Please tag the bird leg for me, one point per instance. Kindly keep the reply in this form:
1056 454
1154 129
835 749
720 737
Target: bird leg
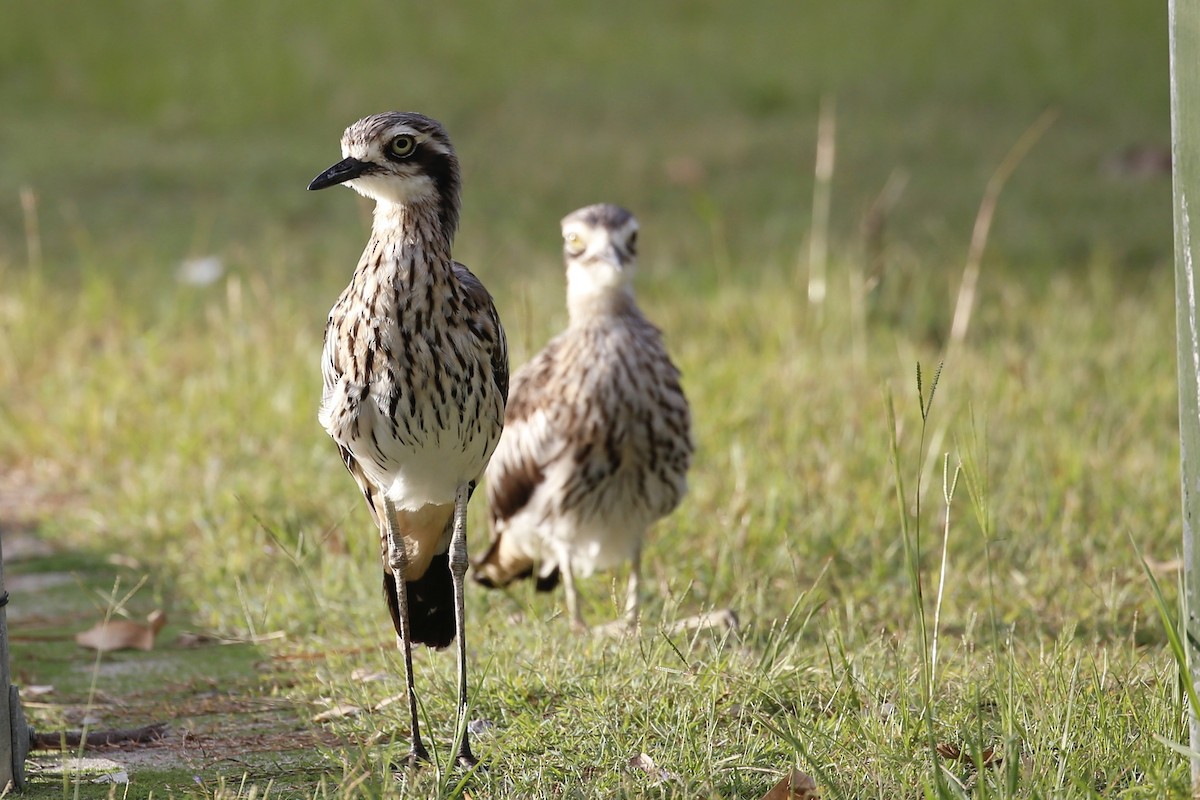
627 623
458 570
564 564
397 562
631 592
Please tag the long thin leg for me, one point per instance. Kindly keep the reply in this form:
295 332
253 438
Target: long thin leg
631 595
458 569
564 565
627 623
397 561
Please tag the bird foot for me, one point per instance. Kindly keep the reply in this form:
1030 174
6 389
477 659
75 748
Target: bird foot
467 760
722 618
416 756
617 629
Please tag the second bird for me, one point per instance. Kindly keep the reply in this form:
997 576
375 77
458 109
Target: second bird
597 432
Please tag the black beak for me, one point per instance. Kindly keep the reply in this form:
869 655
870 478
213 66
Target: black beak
345 170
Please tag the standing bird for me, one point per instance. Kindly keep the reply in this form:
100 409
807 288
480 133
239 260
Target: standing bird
597 439
416 375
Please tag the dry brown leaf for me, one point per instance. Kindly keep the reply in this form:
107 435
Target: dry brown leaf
953 752
1168 567
194 639
365 675
646 764
950 752
121 634
387 701
121 560
794 786
337 712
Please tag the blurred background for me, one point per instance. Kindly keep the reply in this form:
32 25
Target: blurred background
152 131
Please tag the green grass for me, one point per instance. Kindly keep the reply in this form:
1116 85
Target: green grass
177 423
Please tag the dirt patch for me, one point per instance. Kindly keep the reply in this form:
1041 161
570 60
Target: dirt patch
226 717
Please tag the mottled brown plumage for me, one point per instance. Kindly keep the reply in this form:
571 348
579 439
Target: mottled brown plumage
415 370
597 439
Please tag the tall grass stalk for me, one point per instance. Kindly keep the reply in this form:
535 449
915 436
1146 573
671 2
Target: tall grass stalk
818 238
911 540
965 304
949 483
1176 631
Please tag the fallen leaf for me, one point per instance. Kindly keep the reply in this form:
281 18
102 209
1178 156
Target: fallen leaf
952 752
121 560
387 701
721 619
113 777
1168 567
646 764
193 639
37 690
796 785
365 675
121 634
337 712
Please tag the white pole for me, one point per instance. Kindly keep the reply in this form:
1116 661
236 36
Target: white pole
9 777
1184 22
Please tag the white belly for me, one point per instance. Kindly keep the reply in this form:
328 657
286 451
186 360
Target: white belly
418 462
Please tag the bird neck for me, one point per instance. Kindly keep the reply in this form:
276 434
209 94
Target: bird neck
409 237
588 306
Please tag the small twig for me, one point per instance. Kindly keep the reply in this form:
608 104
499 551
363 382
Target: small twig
66 740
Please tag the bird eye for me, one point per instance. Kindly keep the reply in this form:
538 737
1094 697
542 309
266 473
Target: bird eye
573 243
402 146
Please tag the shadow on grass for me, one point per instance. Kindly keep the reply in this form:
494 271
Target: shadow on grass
229 721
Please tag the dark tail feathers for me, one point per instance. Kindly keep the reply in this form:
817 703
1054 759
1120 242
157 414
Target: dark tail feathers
548 582
430 604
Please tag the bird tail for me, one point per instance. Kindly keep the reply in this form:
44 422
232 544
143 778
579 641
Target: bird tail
430 604
501 565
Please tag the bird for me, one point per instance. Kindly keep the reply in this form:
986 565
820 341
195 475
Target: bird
597 440
415 369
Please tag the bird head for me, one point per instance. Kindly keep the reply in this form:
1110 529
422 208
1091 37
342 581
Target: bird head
399 158
600 247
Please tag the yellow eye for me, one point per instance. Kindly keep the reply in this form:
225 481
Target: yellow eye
573 243
402 146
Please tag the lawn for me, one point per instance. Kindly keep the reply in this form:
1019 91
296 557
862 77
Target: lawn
173 423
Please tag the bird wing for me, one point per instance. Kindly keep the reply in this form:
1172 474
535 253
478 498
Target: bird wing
478 298
529 442
365 485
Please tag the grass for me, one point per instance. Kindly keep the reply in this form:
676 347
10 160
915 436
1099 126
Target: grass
177 422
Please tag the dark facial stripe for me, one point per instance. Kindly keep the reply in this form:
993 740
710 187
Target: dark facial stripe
442 169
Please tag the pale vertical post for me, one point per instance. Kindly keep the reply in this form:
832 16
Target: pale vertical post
7 776
1184 22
